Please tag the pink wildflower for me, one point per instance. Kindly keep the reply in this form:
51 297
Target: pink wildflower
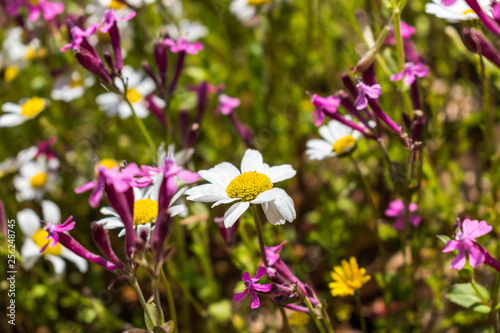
78 35
327 104
227 104
252 287
397 209
54 229
364 90
110 18
183 45
48 9
409 72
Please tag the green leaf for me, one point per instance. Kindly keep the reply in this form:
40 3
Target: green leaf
444 238
168 327
154 312
463 294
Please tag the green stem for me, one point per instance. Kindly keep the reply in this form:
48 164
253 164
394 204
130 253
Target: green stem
314 316
399 39
286 324
361 318
170 299
138 291
324 312
258 227
189 296
479 294
156 288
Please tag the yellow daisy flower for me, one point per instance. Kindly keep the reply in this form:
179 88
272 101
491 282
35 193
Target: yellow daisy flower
348 278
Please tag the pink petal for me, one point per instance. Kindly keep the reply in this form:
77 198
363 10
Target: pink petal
459 262
452 245
240 296
255 302
261 271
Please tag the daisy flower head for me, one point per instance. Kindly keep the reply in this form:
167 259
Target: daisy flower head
36 238
254 184
70 87
455 11
145 209
338 140
348 278
138 88
34 180
465 240
16 114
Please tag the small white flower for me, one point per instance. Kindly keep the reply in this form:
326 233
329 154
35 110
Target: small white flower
246 10
18 52
34 180
35 239
138 89
70 87
192 31
16 114
459 11
338 139
145 209
253 185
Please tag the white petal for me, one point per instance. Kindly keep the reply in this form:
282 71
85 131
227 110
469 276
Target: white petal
272 213
108 211
122 233
30 249
80 263
11 107
281 209
280 172
111 223
51 212
266 196
205 193
29 262
221 174
57 262
176 210
234 213
224 201
326 133
251 161
28 221
11 120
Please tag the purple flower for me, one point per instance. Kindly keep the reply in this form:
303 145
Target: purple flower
183 45
252 287
327 104
110 18
409 72
227 104
48 9
364 90
272 253
397 209
465 240
78 35
54 229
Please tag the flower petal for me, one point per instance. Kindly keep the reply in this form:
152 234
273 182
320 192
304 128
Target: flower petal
252 161
234 213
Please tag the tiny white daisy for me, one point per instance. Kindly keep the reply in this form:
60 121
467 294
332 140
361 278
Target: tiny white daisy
253 185
459 11
16 114
34 180
36 239
338 139
70 87
145 209
138 89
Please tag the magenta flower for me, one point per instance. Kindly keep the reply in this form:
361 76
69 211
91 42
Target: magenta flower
54 229
78 35
227 104
183 45
327 104
130 176
252 287
364 90
272 253
48 9
465 240
448 2
406 32
110 18
397 209
409 72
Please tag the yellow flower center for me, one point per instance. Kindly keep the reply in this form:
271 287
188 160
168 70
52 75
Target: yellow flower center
258 2
32 107
38 180
34 2
248 186
11 73
76 83
106 162
133 95
344 144
40 239
30 53
115 4
145 211
468 11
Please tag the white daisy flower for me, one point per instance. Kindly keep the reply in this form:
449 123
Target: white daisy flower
117 5
36 239
29 154
138 89
338 139
459 11
145 209
246 10
16 114
34 180
175 7
18 52
192 31
7 166
253 185
70 87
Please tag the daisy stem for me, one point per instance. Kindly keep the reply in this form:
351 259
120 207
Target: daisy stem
286 324
170 299
156 288
258 226
314 316
138 291
361 318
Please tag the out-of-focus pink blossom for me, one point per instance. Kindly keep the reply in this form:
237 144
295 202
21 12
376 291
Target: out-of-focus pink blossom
48 9
364 90
410 71
110 18
327 104
227 104
77 36
53 232
397 209
183 45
